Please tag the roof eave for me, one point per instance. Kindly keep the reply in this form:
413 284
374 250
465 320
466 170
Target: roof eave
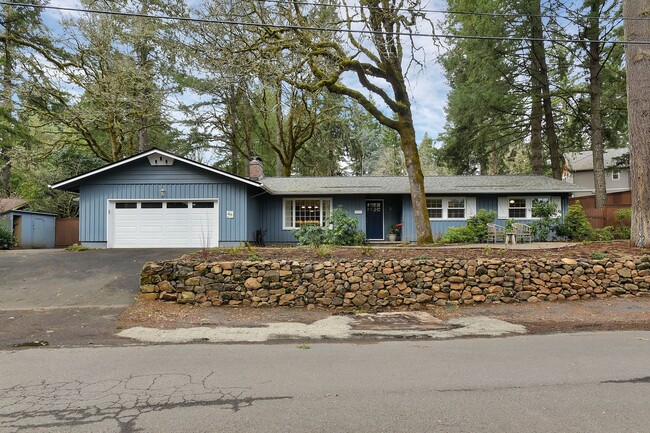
73 183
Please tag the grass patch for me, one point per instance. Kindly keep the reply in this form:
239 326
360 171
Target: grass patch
75 248
303 346
599 256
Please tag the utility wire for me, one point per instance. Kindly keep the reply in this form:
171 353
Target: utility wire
456 12
324 29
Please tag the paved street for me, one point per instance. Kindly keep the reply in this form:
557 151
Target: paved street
592 382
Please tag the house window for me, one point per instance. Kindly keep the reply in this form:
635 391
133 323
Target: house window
434 208
616 174
456 208
304 211
446 208
517 207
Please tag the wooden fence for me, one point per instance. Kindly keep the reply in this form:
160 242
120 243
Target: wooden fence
606 216
66 232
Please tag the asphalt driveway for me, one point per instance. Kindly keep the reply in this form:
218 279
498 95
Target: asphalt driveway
56 278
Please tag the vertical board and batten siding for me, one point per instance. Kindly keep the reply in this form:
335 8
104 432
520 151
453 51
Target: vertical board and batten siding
253 219
439 227
140 180
36 229
271 212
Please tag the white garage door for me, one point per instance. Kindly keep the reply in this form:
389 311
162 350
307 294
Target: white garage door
163 224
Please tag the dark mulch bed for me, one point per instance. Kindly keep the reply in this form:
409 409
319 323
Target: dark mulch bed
308 254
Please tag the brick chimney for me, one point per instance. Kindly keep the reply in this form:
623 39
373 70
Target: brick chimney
255 168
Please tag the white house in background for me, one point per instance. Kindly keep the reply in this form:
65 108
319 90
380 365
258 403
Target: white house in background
579 170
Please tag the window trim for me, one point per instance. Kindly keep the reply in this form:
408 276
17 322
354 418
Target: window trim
527 209
293 199
529 206
445 208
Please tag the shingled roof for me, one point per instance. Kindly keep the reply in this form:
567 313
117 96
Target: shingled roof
583 161
512 184
7 204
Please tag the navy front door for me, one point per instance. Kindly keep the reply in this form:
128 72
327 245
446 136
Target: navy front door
375 219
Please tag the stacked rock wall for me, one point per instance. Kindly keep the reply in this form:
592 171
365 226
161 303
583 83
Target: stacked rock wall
384 285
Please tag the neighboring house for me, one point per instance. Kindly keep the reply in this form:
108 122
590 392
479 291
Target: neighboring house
579 170
157 199
31 229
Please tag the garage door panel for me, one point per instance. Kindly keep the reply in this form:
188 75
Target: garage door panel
154 226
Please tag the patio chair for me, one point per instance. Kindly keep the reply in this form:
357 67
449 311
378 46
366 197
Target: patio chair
522 232
495 231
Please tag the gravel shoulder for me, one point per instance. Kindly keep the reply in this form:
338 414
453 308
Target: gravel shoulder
538 318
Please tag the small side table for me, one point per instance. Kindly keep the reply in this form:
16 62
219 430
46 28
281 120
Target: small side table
510 237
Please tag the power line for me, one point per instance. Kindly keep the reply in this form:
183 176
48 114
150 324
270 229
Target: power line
325 29
457 12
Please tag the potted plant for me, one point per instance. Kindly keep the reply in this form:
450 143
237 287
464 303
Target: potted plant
395 231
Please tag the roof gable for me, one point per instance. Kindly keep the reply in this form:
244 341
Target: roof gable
153 157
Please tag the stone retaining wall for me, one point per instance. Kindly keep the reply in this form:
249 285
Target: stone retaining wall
393 284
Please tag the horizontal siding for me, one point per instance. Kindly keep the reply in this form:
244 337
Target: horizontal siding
232 197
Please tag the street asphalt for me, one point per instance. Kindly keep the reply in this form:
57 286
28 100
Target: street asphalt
568 383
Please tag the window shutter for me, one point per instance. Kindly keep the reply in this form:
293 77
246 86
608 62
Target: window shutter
288 213
558 203
470 207
502 212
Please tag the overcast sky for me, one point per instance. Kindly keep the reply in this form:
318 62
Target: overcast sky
428 85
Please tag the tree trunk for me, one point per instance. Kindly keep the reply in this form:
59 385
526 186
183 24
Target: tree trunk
541 71
596 120
233 97
409 147
637 59
142 51
536 143
8 108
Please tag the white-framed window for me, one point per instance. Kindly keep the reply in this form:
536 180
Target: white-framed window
434 208
517 207
521 207
303 211
453 208
616 174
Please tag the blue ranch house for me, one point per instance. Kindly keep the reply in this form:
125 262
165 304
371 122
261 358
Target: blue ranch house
158 199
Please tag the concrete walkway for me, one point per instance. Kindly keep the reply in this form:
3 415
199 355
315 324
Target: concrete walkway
519 246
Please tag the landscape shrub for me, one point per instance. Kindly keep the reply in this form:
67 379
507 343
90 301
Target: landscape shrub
344 229
575 225
622 228
310 234
474 231
478 223
6 238
604 234
340 229
547 222
458 235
